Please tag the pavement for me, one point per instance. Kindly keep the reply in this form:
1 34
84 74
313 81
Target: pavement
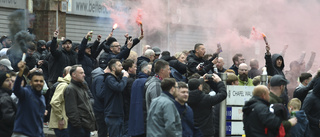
48 132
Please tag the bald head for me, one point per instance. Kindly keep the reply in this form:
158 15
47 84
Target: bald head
254 63
243 69
145 48
220 63
262 92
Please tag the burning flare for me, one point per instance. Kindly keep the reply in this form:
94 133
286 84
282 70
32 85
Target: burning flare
115 26
264 38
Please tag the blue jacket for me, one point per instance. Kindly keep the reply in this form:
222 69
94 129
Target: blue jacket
97 89
301 128
137 103
186 115
113 99
31 107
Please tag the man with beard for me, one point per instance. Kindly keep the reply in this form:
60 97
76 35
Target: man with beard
163 116
277 87
5 45
60 58
78 106
7 106
31 106
137 115
244 80
113 98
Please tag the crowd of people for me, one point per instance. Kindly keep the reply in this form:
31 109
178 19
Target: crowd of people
82 87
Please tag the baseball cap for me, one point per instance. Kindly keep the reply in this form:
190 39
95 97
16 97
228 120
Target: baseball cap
156 50
7 63
278 80
65 41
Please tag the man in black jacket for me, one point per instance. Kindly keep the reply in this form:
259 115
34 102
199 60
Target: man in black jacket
202 103
60 58
196 63
78 105
7 106
131 68
257 116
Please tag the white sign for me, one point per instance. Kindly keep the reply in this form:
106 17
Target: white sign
234 113
97 8
234 128
238 95
17 4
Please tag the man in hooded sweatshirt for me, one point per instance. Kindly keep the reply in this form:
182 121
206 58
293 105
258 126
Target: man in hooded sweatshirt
275 65
202 103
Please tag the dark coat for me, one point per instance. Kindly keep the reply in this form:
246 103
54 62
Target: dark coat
141 60
194 61
87 61
59 60
113 99
257 117
301 128
138 111
187 123
8 110
127 96
272 70
97 89
180 67
234 68
311 106
201 105
78 106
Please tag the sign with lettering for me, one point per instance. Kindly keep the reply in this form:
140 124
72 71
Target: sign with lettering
237 95
234 128
17 4
234 113
97 8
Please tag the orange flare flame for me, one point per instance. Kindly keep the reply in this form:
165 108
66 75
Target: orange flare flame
263 35
115 26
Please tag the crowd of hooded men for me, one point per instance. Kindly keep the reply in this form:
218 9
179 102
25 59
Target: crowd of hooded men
106 87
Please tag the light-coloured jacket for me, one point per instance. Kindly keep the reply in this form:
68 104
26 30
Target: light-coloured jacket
153 90
163 118
58 110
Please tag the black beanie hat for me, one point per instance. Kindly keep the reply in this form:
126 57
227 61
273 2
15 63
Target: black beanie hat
3 77
194 83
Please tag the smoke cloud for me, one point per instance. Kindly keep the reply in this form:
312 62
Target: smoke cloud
230 22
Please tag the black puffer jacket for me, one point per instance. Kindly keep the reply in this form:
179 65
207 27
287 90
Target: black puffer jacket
311 106
257 117
193 62
7 114
201 105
